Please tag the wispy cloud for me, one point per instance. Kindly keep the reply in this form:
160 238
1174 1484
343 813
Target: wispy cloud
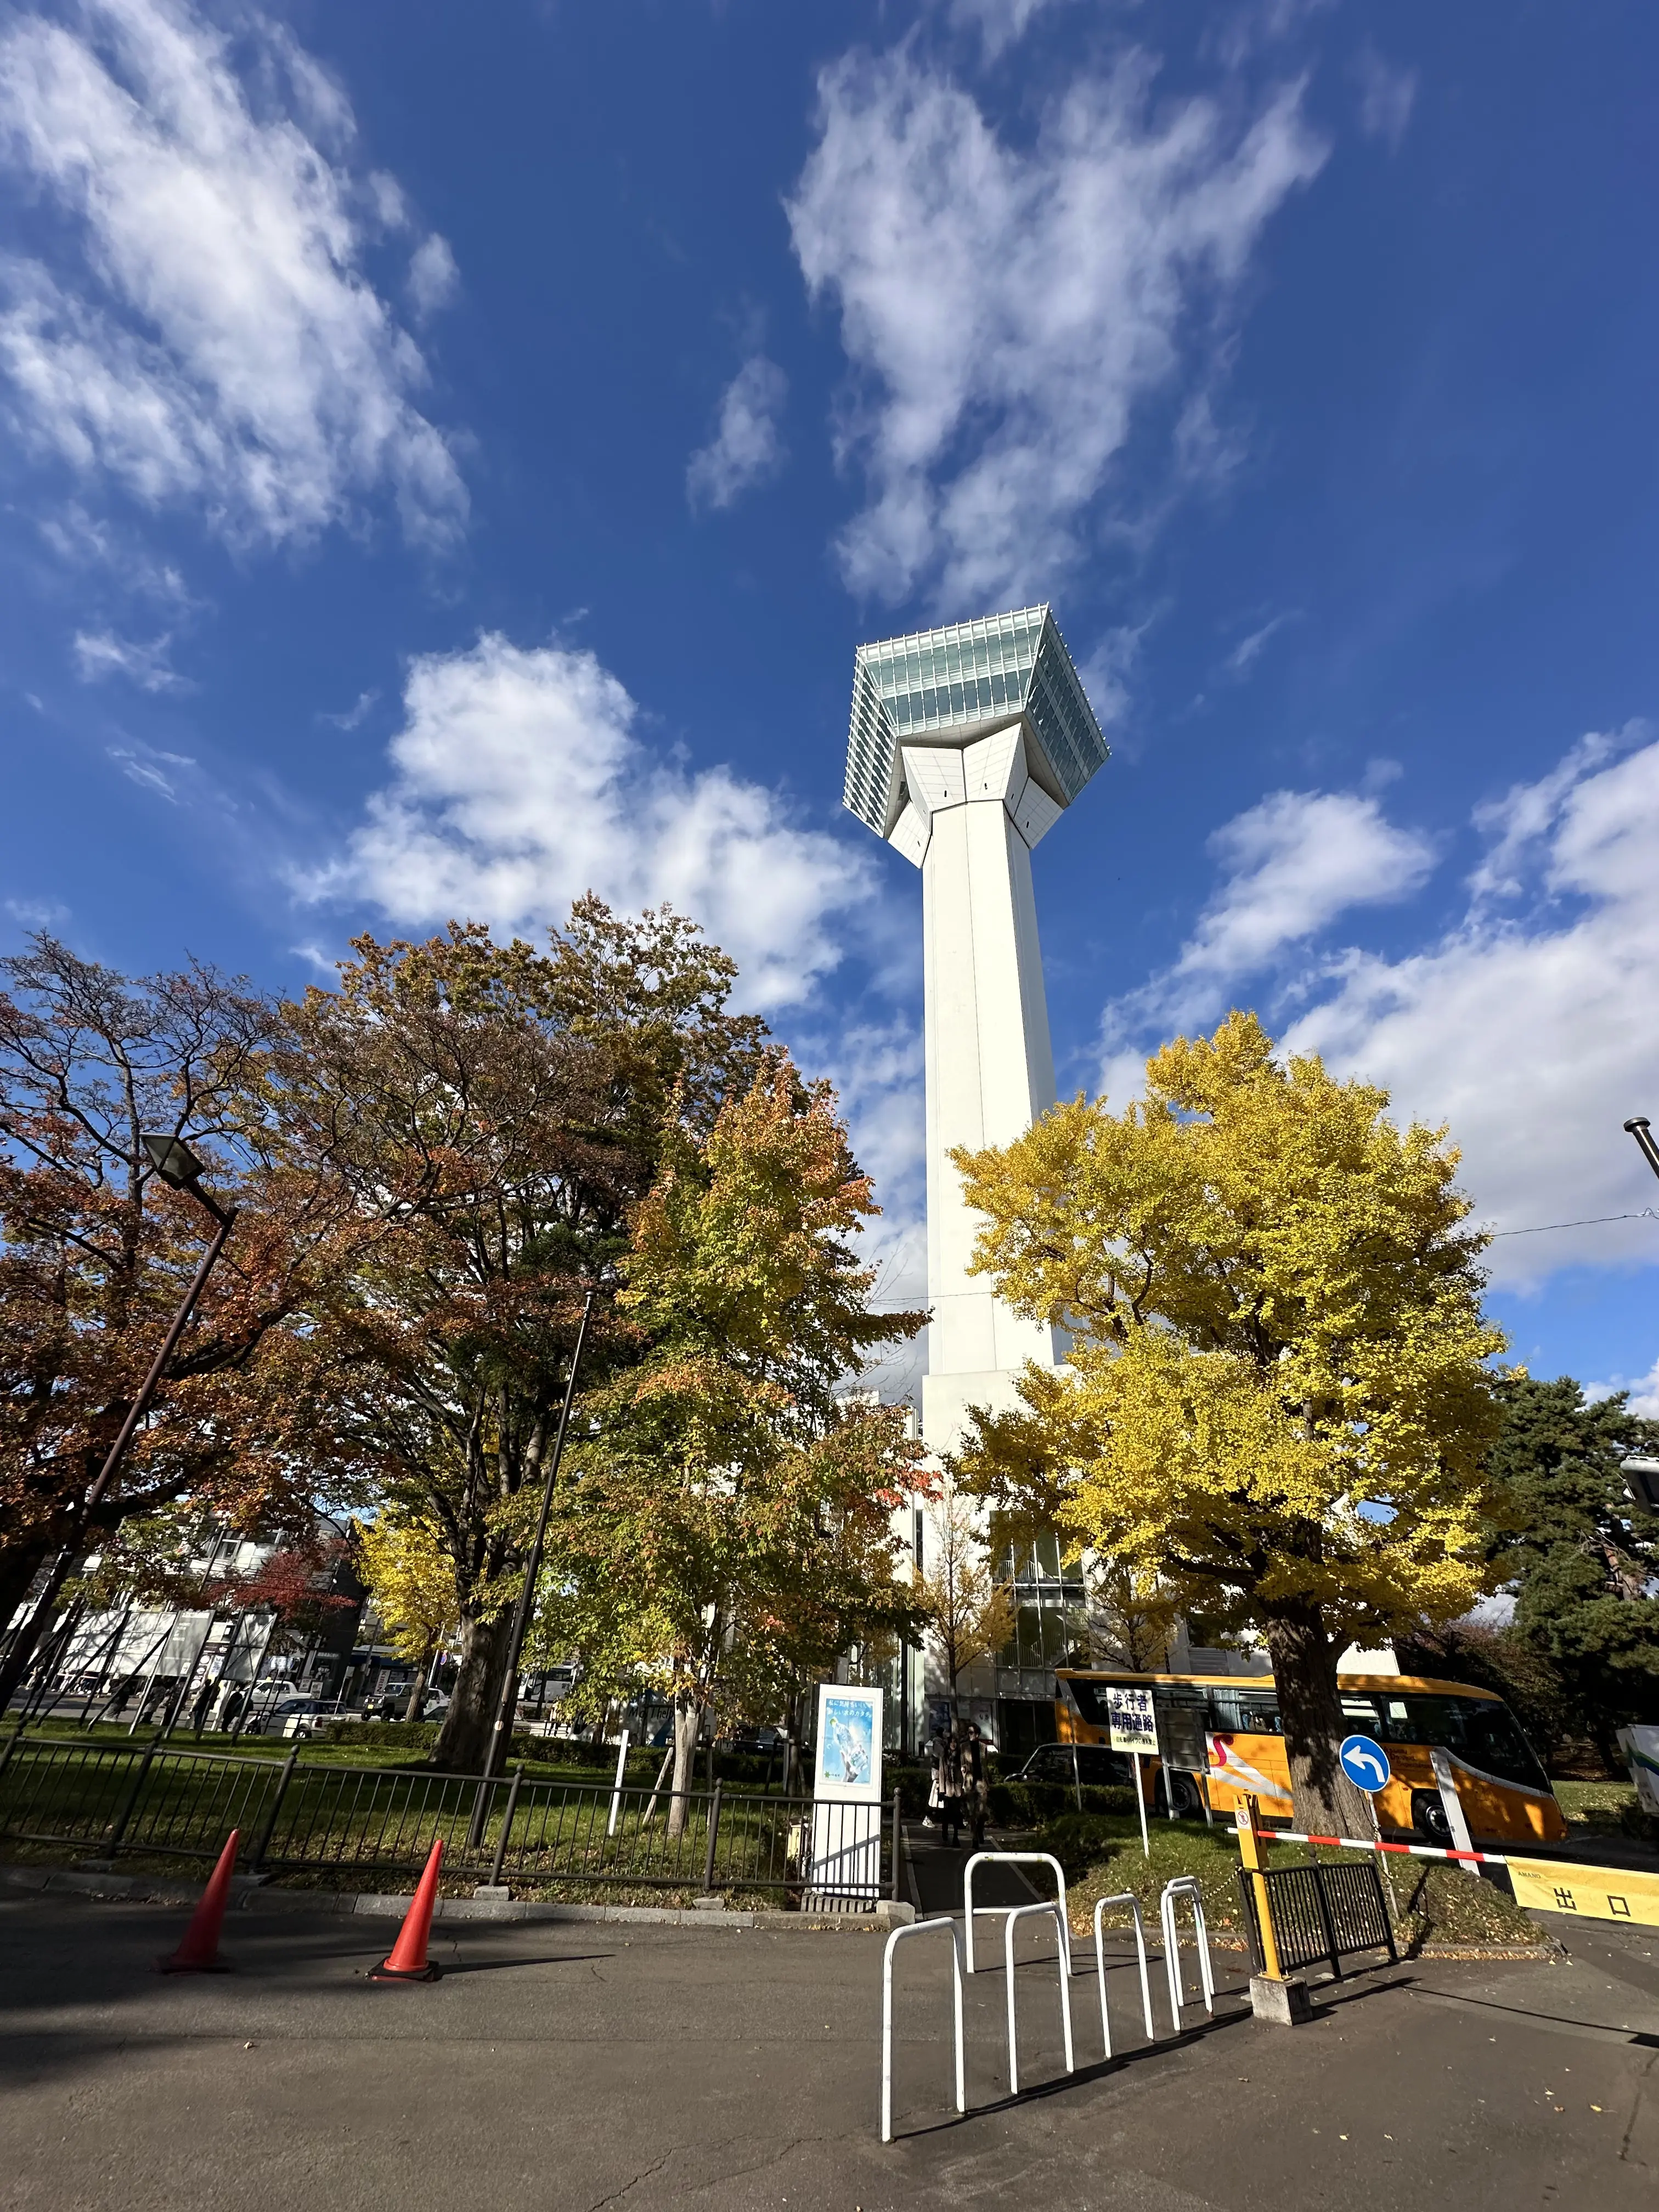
100 653
1005 310
1249 650
747 448
519 782
152 770
434 277
1386 95
210 339
354 716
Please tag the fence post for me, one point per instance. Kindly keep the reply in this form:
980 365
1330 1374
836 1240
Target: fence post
257 1856
123 1819
11 1744
898 1845
1325 1922
714 1837
506 1822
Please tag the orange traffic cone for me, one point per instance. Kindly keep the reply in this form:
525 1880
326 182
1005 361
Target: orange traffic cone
199 1952
409 1961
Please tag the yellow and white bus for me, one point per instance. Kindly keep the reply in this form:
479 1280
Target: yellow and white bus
1222 1734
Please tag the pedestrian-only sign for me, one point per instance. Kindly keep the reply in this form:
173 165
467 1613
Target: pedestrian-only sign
1130 1724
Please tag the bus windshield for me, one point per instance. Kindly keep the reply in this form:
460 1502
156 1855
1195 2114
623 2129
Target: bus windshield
1480 1731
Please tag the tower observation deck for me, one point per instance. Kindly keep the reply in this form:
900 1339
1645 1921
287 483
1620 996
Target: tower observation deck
967 743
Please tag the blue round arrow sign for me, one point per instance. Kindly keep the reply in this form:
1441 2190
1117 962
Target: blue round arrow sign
1365 1762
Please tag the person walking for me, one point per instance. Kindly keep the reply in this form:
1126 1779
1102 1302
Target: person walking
975 1786
947 1787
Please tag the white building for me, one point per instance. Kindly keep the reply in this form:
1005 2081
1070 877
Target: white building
966 746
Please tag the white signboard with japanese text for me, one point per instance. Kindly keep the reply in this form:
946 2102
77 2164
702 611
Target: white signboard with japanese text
1131 1723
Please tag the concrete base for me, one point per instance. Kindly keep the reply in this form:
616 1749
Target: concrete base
1285 2003
493 1893
893 1912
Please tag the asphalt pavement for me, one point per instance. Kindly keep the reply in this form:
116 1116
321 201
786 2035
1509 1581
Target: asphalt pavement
595 2065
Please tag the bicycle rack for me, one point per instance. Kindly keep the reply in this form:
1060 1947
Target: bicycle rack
1185 1886
1124 1897
923 1928
985 1911
1052 1911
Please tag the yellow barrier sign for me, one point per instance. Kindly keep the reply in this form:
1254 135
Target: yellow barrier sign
1589 1892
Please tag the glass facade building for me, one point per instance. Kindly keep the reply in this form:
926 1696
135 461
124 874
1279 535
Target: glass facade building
946 685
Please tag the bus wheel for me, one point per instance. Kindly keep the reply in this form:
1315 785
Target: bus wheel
1429 1818
1183 1792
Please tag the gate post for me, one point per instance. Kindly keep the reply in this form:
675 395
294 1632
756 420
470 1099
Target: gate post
1271 1997
123 1819
713 1838
256 1859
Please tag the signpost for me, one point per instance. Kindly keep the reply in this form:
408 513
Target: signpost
846 1803
1132 1726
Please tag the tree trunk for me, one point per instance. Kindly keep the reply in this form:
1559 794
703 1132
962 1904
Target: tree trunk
463 1740
688 1715
417 1688
1325 1801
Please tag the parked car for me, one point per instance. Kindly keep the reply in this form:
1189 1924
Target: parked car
1098 1767
296 1716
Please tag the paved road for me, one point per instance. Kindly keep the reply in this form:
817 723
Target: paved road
573 2067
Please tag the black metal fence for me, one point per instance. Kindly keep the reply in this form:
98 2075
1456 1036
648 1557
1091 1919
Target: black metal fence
1327 1911
106 1800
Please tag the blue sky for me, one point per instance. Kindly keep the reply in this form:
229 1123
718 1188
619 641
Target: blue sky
450 455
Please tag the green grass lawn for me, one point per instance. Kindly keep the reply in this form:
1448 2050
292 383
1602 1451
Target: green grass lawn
1599 1808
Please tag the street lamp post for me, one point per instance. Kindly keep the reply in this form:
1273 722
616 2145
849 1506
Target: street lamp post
178 1167
1641 1129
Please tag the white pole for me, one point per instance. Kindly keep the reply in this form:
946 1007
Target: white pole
615 1794
1141 1800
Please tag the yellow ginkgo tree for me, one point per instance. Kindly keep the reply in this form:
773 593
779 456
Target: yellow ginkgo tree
1278 1401
412 1577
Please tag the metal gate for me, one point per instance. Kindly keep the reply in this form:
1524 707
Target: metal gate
1326 1911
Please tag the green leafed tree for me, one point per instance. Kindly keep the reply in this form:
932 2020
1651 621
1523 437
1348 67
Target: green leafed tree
727 1531
1278 1406
1582 1557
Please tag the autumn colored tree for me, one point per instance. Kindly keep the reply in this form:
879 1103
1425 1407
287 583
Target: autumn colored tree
95 1252
412 1578
969 1614
1277 1403
729 1524
492 1112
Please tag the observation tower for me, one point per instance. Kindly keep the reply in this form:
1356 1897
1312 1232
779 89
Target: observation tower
967 745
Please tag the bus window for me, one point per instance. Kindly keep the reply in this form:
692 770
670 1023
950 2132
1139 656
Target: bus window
1259 1715
1360 1713
1481 1731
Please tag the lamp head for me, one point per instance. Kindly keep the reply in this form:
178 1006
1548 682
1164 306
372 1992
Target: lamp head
173 1160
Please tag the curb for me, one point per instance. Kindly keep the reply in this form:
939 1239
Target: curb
250 1892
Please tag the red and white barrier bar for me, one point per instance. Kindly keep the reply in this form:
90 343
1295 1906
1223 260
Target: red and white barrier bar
1376 1843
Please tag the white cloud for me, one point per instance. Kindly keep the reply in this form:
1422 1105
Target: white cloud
747 448
212 340
1005 310
520 783
152 770
1249 650
1530 1032
434 278
1643 1391
100 653
1386 95
999 23
1295 861
36 914
355 715
1525 1026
